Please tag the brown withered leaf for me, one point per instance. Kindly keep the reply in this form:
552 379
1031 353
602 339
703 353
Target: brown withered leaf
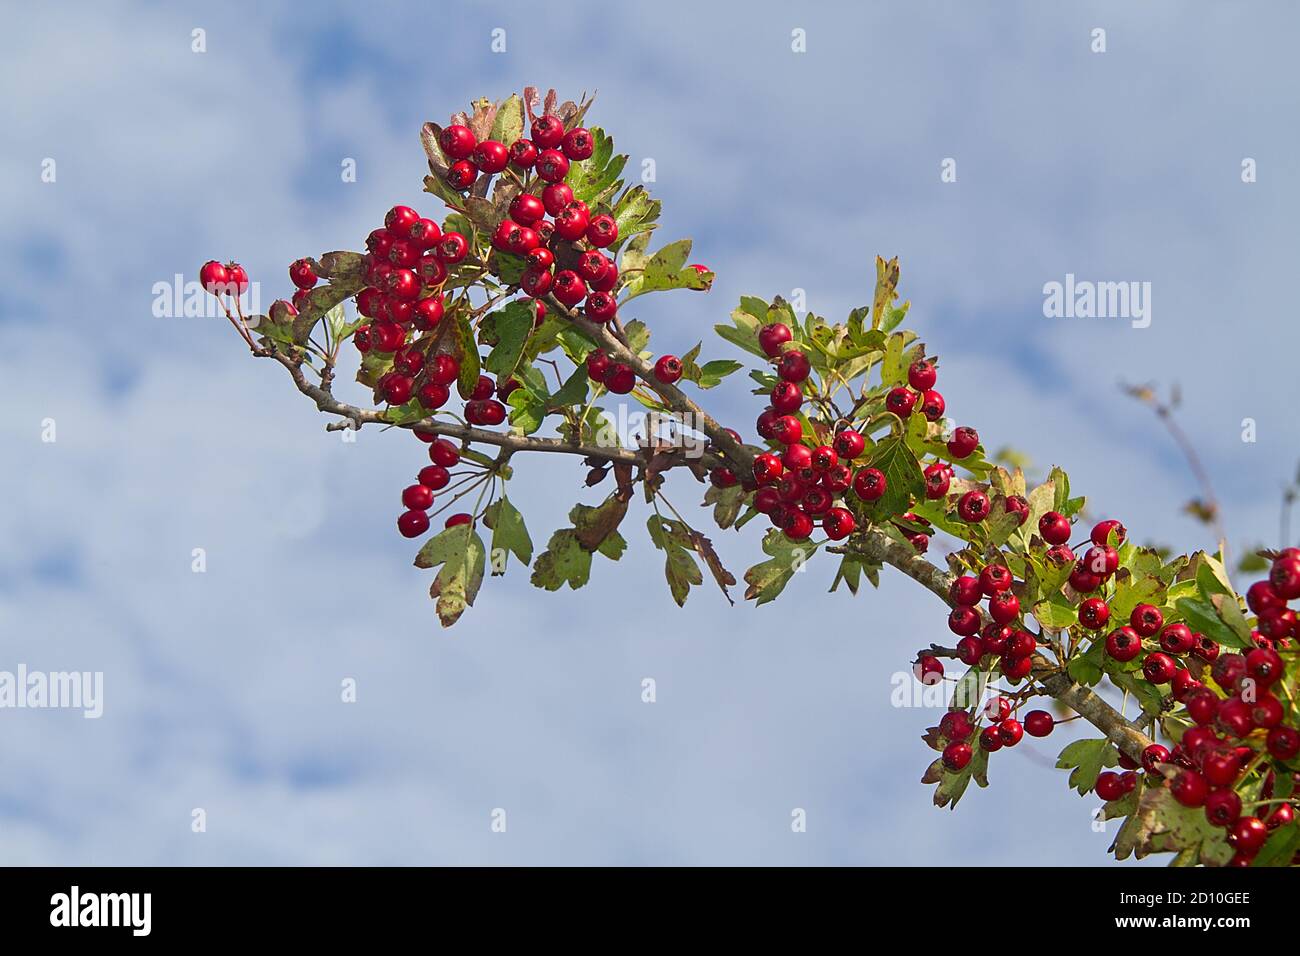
704 548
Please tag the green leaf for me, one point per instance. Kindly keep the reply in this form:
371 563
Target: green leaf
563 562
741 337
1085 759
1087 668
711 374
1055 614
635 214
509 534
903 479
638 335
1281 847
726 503
320 301
460 551
466 351
508 125
953 785
673 538
513 323
567 558
595 177
1202 617
573 391
666 270
1162 825
1133 591
527 410
768 579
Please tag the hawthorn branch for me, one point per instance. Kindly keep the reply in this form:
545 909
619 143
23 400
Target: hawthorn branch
354 417
1123 733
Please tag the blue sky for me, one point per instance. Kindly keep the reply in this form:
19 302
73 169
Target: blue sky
789 171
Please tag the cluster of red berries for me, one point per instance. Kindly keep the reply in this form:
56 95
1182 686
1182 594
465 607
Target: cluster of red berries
803 482
419 497
562 254
1002 730
223 279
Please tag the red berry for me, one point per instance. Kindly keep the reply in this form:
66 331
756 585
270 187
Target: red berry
396 388
1189 788
1284 577
236 278
973 506
838 523
536 282
1018 506
1093 614
963 443
1123 644
425 233
457 141
1004 607
577 144
569 287
556 197
964 621
793 366
990 740
552 165
797 458
572 222
1264 665
965 590
955 725
1039 723
901 401
461 174
932 405
1102 529
434 477
956 756
767 468
600 307
994 579
399 220
772 336
799 526
547 131
869 484
523 153
824 459
1221 767
620 379
1159 668
928 669
428 312
526 209
849 444
970 650
1153 755
483 388
213 277
1223 807
936 481
417 497
445 453
1283 742
921 375
1146 619
1248 835
490 156
668 369
1261 597
786 397
1109 787
412 524
1015 668
1054 528
458 519
1177 639
451 248
602 231
301 274
1011 731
